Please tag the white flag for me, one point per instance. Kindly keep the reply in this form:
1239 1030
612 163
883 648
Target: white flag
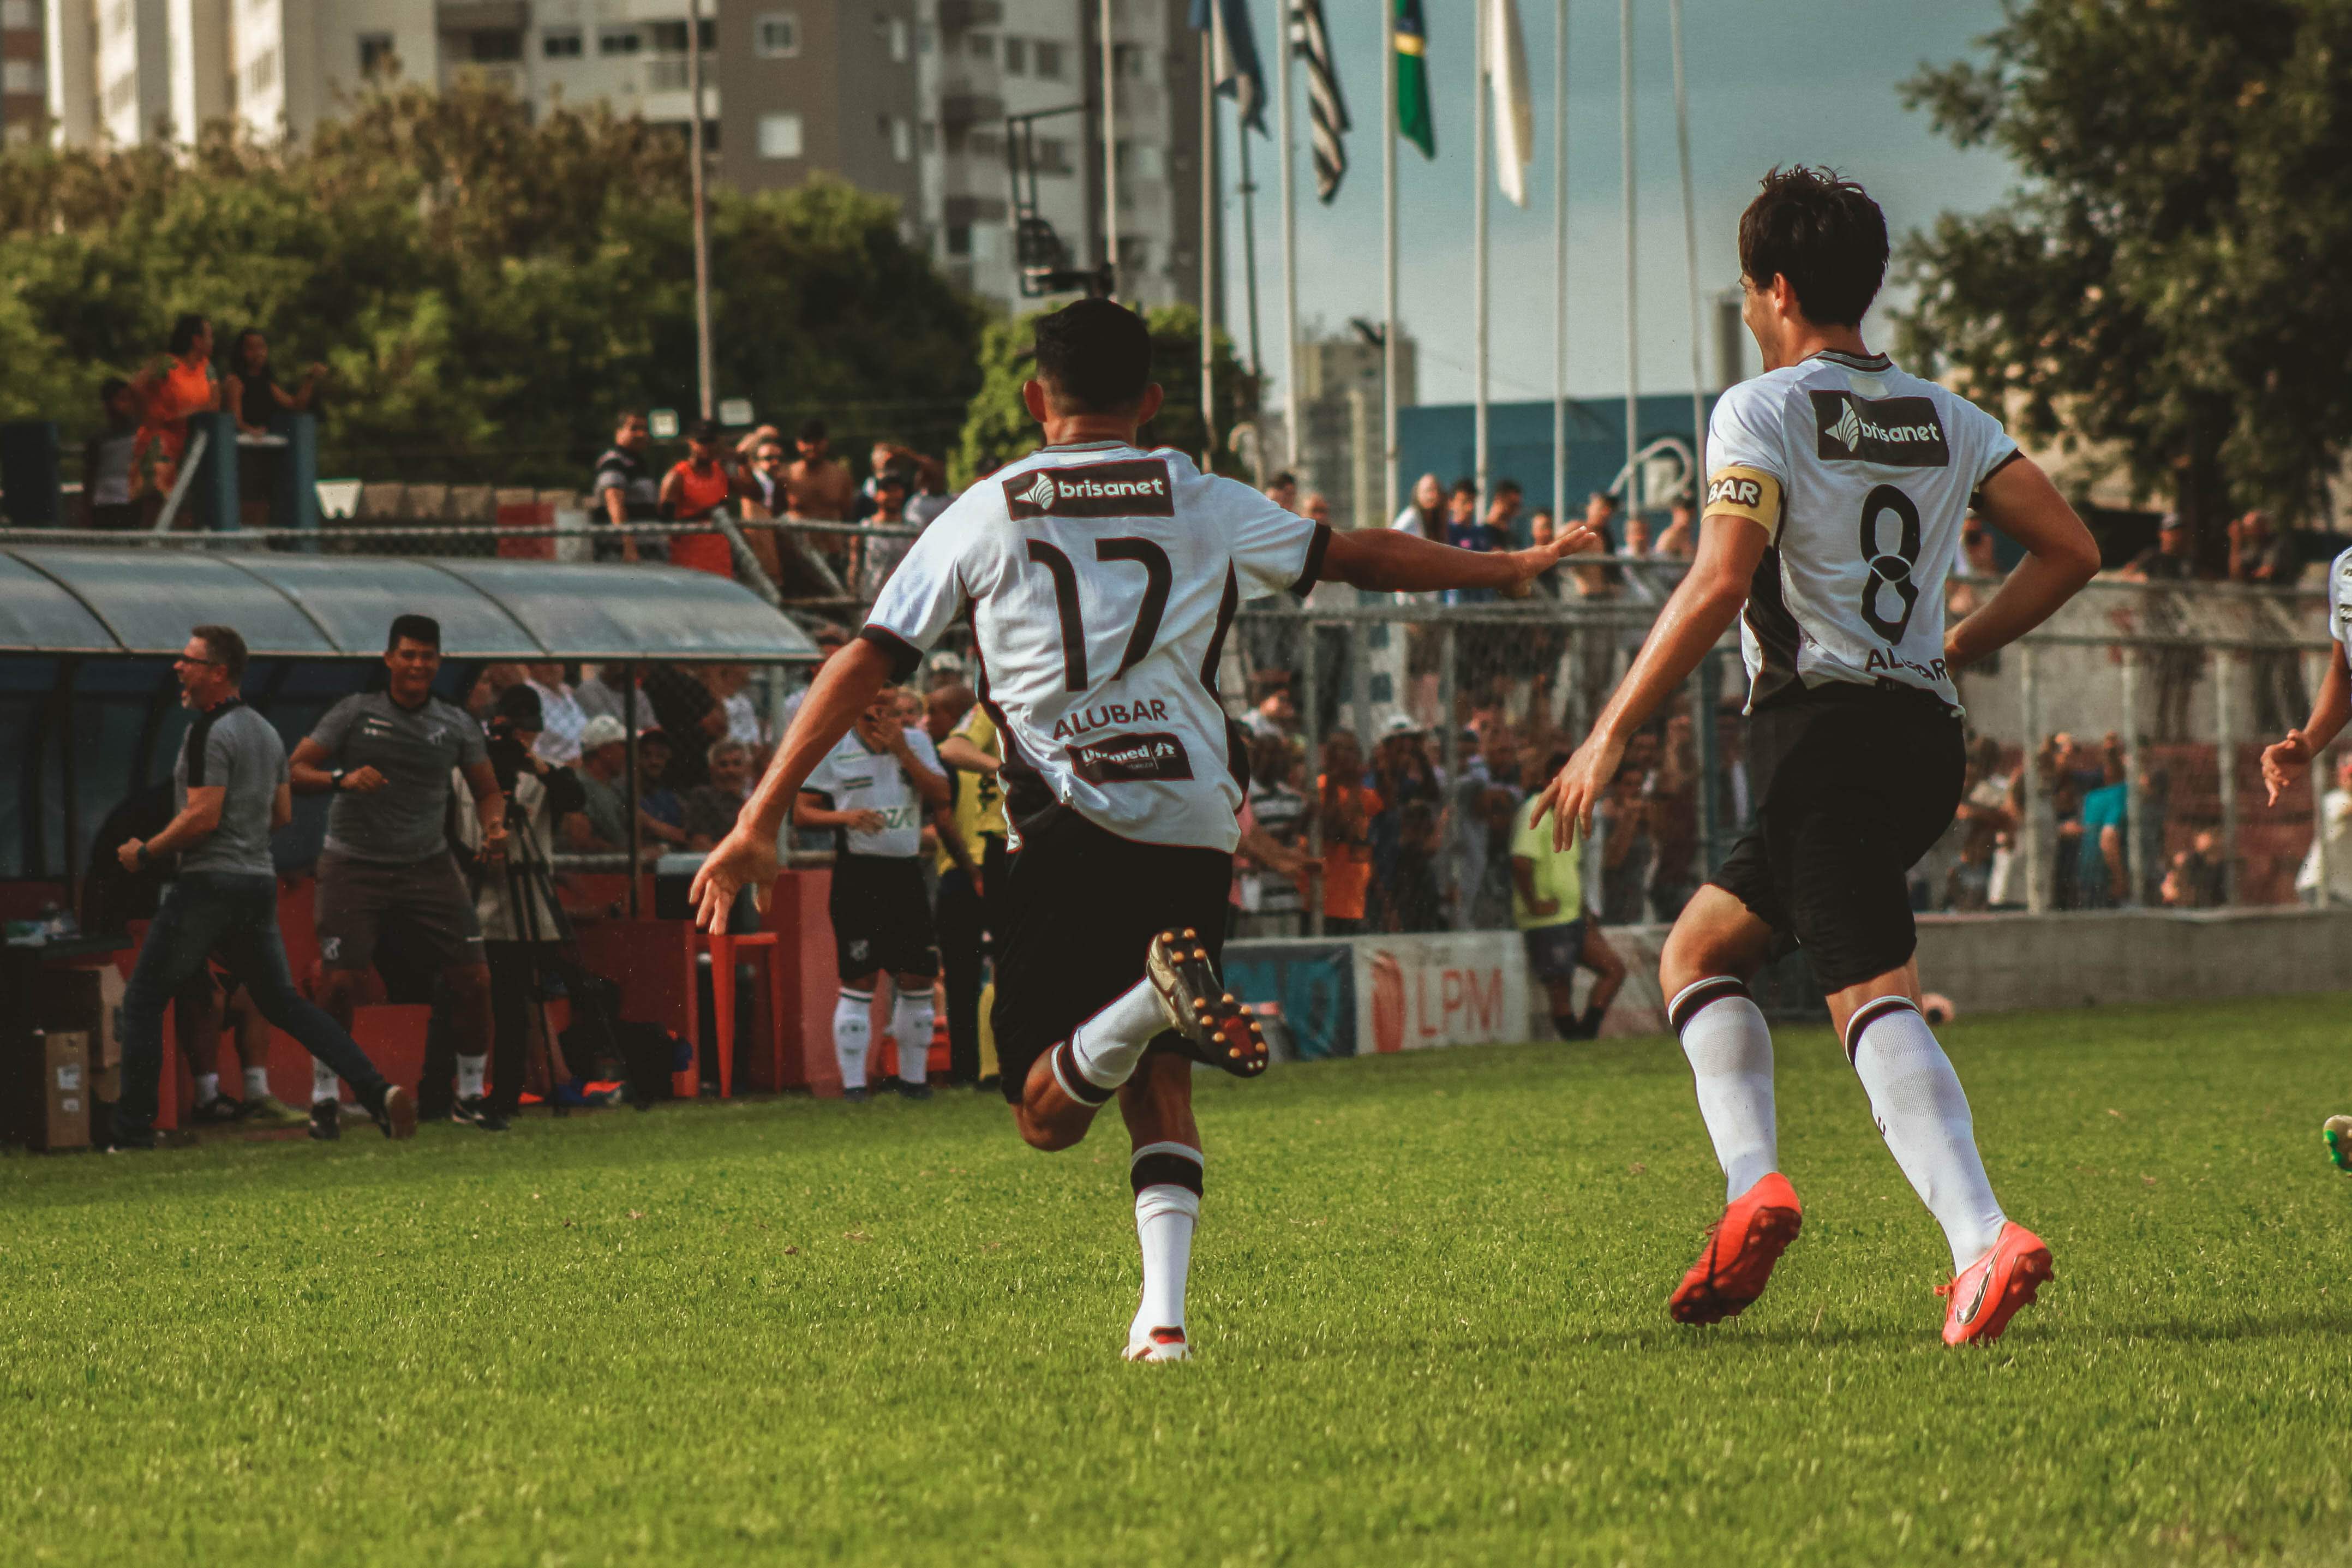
1515 114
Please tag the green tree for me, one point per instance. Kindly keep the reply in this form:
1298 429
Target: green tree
997 428
487 288
2174 281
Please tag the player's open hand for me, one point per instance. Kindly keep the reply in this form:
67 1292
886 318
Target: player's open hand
1535 560
2281 762
742 859
1578 788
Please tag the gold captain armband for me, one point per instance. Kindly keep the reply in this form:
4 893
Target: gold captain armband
1745 492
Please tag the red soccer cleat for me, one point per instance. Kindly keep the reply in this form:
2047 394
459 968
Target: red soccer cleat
1989 1293
1757 1226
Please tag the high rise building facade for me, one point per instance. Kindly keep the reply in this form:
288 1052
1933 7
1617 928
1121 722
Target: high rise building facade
24 70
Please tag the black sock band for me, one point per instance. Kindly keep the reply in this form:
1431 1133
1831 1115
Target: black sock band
1164 1168
1701 993
1074 1083
1869 1013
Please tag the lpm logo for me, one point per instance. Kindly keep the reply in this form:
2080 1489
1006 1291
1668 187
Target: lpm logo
1901 432
1136 488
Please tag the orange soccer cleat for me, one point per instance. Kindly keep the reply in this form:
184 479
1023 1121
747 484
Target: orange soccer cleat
1757 1226
1989 1293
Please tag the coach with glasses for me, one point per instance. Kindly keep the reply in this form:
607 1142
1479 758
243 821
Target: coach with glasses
231 790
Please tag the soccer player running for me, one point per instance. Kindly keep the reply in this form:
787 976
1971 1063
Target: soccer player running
1101 580
1837 488
2282 761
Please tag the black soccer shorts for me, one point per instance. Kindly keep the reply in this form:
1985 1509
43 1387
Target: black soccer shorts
882 917
1079 909
1853 784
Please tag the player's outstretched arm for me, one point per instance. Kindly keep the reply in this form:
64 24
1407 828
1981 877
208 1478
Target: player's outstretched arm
2060 557
2329 710
1391 561
1702 607
843 689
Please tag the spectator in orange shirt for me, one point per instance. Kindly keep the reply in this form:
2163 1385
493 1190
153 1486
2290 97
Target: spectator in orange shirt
177 384
691 493
1346 809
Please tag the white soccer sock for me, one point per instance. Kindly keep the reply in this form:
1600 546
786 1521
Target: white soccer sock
1108 1046
853 1027
910 1026
256 1083
322 1082
1921 1110
207 1088
470 1072
1166 1212
1730 1050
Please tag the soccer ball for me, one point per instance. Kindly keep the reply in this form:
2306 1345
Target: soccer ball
1937 1007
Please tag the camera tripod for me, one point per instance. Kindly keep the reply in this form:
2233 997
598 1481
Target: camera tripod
529 874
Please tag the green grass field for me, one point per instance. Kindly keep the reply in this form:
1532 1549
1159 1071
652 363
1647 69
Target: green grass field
1428 1302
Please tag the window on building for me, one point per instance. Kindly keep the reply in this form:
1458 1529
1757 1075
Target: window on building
261 73
1142 160
777 35
902 140
1053 155
982 46
375 53
1016 56
986 144
959 239
897 37
494 45
780 136
669 37
1049 60
561 44
619 41
1134 254
1130 60
25 14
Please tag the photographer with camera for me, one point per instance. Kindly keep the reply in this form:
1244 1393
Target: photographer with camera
386 873
523 925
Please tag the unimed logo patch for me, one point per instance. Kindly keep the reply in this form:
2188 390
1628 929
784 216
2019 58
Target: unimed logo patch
1132 759
1135 488
1903 432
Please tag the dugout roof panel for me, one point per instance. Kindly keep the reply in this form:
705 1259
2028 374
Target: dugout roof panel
106 600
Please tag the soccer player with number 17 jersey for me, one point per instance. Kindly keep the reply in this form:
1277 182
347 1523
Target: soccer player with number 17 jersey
1101 579
1837 485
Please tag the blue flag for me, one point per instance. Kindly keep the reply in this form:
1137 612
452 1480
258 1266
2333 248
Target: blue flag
1236 52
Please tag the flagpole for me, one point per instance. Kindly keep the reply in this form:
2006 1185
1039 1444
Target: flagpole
1248 189
1560 264
1292 441
1632 339
1388 265
1690 255
1482 160
1209 246
1111 148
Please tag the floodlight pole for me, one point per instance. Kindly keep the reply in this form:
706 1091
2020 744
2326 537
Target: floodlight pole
701 210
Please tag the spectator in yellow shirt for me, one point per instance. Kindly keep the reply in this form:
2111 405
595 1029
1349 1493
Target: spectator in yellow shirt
1547 905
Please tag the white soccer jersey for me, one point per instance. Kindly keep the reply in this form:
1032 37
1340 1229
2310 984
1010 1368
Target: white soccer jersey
1862 473
2339 603
852 777
1101 580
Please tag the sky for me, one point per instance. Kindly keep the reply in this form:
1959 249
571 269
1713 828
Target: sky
1793 82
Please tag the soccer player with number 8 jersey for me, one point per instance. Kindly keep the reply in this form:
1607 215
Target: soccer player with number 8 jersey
1837 485
1101 579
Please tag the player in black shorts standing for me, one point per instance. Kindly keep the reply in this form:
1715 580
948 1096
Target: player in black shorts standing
1101 580
1838 485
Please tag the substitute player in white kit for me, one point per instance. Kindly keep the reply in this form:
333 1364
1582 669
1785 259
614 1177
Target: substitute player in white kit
874 790
1101 580
2283 760
1837 486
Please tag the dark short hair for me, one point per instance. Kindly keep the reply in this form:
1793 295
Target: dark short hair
1606 498
1282 478
1553 763
228 648
812 430
1465 487
1825 235
1095 354
110 386
1508 488
413 628
630 416
184 330
702 430
897 474
520 706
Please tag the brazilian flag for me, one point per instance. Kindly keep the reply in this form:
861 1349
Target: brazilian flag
1413 120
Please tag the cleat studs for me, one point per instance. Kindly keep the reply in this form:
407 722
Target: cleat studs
1190 934
1229 998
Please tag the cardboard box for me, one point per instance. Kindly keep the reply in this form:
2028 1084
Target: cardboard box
87 1002
63 1106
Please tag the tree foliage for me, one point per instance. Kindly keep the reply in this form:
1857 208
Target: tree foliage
2174 281
487 288
997 428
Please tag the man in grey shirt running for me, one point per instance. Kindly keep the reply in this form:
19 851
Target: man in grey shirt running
386 871
231 790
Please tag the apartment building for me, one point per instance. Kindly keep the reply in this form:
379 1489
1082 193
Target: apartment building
1340 416
24 70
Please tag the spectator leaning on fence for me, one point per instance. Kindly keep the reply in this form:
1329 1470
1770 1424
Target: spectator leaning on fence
697 486
627 491
109 491
175 385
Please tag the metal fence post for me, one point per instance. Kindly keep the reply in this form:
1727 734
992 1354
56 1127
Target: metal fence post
2034 845
1310 730
1359 677
2135 873
2225 748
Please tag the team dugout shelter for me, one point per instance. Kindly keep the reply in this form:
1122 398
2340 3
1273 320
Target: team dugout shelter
90 714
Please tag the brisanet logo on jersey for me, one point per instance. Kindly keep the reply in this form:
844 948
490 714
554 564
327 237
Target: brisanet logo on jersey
1136 489
1902 432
